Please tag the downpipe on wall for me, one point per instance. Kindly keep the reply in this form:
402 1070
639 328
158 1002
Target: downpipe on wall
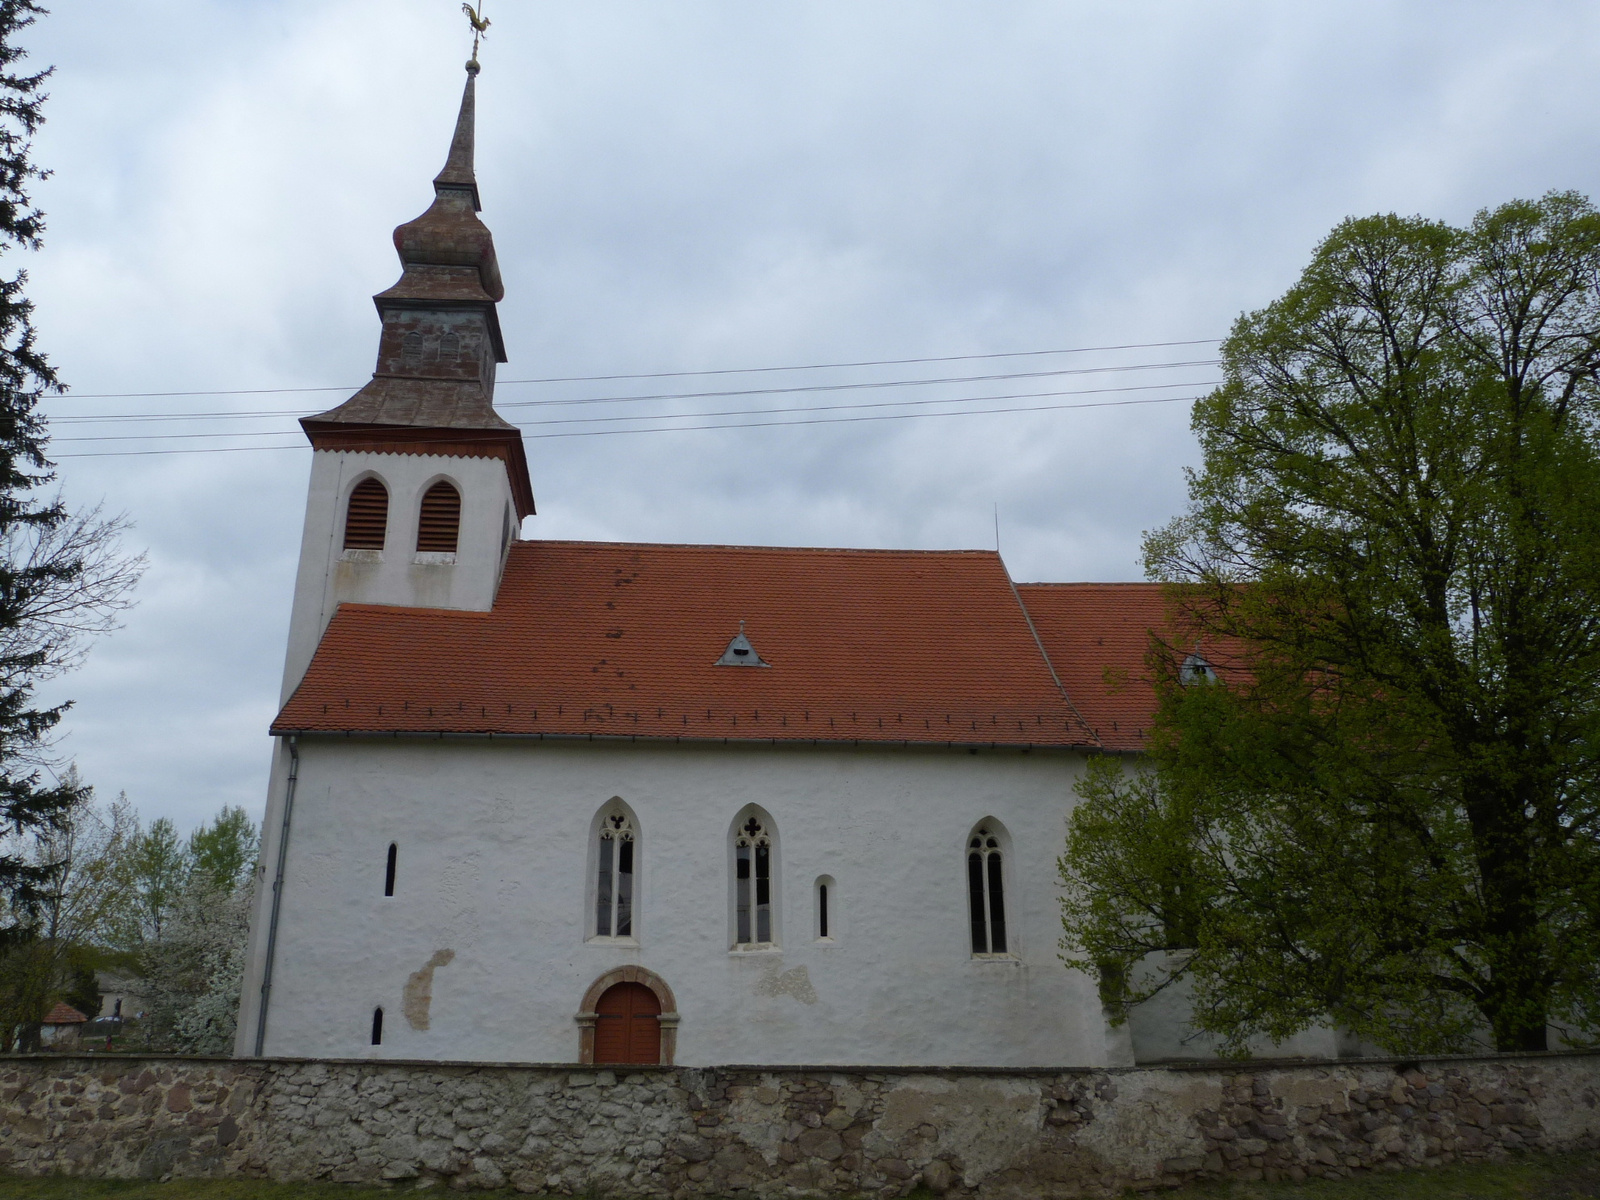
277 897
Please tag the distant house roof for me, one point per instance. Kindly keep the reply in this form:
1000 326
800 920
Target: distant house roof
64 1014
609 639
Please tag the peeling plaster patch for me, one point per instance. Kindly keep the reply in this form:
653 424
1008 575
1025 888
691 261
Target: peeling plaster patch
795 982
417 997
757 1118
1147 1108
460 888
992 1124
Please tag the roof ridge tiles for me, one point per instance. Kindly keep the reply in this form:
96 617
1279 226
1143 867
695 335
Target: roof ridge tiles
865 550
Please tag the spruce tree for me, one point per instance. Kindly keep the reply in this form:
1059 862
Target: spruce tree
28 800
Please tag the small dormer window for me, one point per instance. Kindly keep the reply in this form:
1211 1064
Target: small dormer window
1197 672
740 653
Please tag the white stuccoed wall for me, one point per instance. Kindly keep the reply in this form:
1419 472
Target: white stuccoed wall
494 864
328 575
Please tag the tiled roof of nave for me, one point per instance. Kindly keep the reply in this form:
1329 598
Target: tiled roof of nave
618 639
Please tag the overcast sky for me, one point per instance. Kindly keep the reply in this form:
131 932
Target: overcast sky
694 185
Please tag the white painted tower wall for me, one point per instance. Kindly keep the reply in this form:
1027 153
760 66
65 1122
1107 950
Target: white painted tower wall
330 575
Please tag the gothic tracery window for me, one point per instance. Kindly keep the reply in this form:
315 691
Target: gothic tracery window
614 884
752 884
986 900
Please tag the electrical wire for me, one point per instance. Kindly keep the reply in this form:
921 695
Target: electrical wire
885 362
744 412
76 418
687 428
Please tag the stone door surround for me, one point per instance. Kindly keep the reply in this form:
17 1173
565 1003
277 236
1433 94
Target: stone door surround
587 1014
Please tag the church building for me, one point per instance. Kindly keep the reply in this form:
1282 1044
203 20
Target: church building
596 802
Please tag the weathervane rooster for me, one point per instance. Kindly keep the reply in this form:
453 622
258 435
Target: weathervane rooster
480 25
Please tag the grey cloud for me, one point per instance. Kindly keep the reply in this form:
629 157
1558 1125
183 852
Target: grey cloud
712 184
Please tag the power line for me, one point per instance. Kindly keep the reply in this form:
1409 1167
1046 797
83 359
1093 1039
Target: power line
885 362
869 385
689 428
746 412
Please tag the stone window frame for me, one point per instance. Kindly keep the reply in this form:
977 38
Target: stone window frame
591 891
768 833
991 829
588 1011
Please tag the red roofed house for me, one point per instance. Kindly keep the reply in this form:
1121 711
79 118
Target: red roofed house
569 801
61 1024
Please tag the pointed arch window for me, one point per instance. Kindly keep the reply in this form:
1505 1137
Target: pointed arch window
752 884
440 520
986 898
617 858
377 1027
367 516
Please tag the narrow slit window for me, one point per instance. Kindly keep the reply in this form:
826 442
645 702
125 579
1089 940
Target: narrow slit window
388 870
752 884
986 903
613 892
367 516
439 524
824 907
377 1027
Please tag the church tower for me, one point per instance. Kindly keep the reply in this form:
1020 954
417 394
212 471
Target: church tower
418 486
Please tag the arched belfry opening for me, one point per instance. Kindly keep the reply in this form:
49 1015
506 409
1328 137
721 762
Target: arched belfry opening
366 518
439 521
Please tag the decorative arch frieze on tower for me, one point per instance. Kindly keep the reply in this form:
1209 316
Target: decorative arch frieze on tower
425 425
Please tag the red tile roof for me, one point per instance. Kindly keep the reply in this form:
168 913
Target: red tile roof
64 1014
617 639
1097 636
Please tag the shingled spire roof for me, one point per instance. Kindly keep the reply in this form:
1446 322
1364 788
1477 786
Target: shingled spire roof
458 169
433 389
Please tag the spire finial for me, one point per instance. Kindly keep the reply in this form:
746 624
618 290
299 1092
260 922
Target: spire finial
480 27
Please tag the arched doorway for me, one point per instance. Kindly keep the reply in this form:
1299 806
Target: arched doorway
635 1028
627 1026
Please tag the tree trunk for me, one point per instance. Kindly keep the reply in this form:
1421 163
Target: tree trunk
1517 1000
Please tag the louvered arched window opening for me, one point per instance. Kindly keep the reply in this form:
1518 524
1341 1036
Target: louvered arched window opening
986 895
367 516
440 520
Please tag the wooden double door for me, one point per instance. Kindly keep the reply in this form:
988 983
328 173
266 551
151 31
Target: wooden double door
627 1026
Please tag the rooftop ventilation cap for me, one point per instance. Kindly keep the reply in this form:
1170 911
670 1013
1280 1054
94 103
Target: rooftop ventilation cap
1196 670
740 653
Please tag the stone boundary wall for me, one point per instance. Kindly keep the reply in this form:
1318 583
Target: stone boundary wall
780 1131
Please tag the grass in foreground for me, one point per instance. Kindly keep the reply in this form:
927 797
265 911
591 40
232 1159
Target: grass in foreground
1526 1177
1529 1177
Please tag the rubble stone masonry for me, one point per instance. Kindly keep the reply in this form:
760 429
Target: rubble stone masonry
681 1133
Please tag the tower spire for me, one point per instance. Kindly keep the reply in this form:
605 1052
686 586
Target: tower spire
441 340
458 167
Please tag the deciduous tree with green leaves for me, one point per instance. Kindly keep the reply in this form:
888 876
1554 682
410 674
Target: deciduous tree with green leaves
1386 812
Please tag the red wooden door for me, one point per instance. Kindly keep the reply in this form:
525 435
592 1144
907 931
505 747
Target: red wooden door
628 1029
